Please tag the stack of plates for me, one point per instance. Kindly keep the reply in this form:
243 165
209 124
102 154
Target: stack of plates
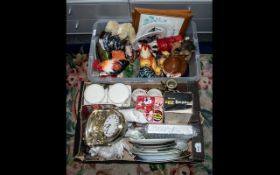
155 149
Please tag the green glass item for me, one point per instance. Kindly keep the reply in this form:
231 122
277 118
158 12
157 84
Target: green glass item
106 55
128 71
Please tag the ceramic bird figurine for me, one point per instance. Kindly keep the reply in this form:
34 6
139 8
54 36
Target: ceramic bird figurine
146 58
112 67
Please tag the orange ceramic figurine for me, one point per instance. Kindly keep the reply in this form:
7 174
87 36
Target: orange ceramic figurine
146 58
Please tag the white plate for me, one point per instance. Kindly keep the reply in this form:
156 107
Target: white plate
158 153
94 93
151 141
170 144
155 149
151 150
160 156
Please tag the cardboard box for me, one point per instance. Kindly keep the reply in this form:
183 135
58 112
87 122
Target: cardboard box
196 145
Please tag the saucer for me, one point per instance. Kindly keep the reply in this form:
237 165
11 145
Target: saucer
151 141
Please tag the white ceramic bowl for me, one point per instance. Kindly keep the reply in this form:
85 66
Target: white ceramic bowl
118 93
94 93
154 92
138 92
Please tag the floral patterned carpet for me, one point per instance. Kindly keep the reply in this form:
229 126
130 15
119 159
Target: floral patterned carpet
76 72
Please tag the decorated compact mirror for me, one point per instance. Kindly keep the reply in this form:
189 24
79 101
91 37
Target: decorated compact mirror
104 127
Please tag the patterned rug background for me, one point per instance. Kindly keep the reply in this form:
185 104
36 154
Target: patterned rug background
76 72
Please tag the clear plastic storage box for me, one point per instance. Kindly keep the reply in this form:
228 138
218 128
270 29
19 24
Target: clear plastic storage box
99 26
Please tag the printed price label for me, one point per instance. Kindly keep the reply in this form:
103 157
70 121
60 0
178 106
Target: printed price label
197 147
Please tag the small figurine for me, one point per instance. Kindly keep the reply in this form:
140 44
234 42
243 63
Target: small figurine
176 48
187 49
146 72
128 51
146 58
159 69
112 67
118 55
124 30
128 71
165 44
112 27
102 53
110 42
164 56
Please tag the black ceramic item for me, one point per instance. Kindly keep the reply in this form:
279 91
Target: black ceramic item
146 72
